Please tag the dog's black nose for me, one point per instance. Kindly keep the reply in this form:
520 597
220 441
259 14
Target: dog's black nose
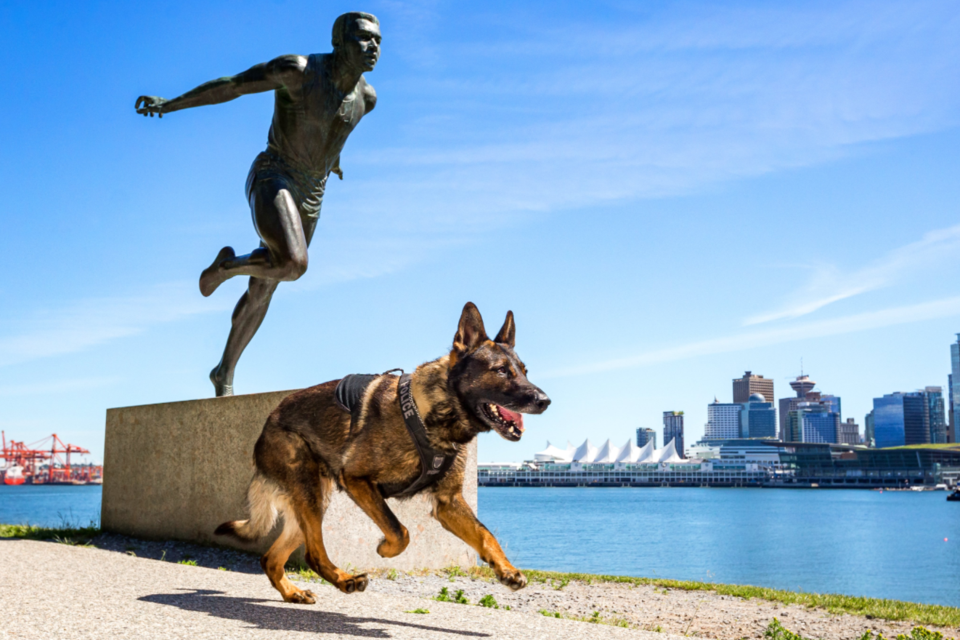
542 401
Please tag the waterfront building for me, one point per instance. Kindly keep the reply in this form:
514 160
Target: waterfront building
723 420
750 384
738 462
607 454
936 416
901 418
740 450
868 436
646 435
803 387
673 429
758 418
849 432
814 422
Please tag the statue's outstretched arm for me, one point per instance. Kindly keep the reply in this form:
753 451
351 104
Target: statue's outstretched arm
268 76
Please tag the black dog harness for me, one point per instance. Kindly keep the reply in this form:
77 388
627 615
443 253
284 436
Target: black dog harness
433 462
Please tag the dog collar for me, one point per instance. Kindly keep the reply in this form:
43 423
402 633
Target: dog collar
434 463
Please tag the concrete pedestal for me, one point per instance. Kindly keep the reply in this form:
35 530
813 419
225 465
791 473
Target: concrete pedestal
177 470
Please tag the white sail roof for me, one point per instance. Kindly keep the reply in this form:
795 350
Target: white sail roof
629 453
585 452
669 453
608 453
647 453
552 454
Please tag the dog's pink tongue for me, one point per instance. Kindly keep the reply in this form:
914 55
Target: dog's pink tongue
510 415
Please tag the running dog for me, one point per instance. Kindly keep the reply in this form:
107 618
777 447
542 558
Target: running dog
384 436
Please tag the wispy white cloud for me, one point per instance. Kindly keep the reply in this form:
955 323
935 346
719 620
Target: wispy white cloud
830 284
944 308
82 324
573 115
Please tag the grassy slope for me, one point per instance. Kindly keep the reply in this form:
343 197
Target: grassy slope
871 607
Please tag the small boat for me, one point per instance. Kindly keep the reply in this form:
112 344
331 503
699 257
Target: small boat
14 475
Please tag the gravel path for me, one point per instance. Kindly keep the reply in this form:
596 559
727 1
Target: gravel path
54 590
119 588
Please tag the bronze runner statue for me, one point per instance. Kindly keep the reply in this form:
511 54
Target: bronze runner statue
319 99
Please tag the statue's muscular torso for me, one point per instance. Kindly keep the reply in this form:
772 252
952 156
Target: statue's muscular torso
311 121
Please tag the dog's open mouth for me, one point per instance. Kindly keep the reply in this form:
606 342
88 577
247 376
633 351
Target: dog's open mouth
508 424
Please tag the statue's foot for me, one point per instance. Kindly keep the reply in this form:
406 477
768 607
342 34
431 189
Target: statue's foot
213 276
220 387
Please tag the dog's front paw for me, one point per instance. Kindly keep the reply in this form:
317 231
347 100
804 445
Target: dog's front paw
354 584
513 578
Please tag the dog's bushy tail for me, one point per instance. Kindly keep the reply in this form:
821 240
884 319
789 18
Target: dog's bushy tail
261 503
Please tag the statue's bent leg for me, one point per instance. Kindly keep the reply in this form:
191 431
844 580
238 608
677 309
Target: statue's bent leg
283 255
247 316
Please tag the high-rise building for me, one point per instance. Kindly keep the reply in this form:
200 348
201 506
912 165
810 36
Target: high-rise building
951 422
814 422
834 402
869 438
758 418
849 432
803 386
936 416
723 421
901 418
750 384
646 435
673 430
953 428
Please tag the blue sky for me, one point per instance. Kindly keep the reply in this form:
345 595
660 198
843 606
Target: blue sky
665 195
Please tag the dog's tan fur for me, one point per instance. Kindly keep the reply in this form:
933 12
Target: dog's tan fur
310 447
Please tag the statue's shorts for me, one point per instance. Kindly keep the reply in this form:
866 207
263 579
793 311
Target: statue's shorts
306 187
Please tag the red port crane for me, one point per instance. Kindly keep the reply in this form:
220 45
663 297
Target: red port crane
55 453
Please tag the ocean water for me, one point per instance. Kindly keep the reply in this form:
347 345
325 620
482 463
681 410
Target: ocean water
899 545
50 505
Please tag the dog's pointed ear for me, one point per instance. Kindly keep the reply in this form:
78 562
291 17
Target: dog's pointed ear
470 333
508 332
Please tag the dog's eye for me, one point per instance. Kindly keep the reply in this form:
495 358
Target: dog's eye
501 370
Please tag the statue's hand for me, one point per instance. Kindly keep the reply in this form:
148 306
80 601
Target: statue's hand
150 105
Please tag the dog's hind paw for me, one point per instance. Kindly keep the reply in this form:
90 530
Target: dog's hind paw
513 579
302 597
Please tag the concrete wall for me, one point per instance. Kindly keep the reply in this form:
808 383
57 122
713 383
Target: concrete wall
177 470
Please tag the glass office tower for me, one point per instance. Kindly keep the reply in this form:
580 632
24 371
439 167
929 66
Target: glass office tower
673 430
758 419
901 418
936 414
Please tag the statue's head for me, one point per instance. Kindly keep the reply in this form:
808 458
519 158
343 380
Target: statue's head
356 39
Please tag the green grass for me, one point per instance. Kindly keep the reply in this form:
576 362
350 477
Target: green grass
776 631
418 611
444 596
931 614
489 601
189 563
80 536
